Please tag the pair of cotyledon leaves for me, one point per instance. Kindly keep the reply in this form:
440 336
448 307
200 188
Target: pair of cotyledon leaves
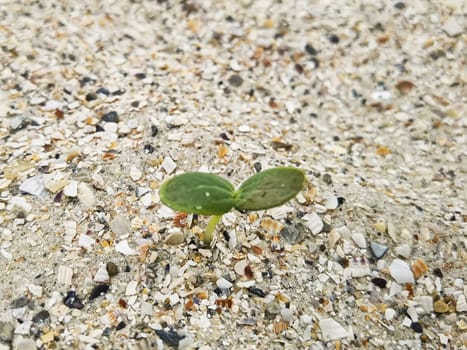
209 194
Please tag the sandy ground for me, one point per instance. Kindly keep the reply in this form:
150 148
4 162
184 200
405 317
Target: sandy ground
101 101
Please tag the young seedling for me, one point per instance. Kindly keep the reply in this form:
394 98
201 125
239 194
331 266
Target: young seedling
208 194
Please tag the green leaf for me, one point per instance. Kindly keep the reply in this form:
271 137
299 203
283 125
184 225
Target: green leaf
198 193
269 188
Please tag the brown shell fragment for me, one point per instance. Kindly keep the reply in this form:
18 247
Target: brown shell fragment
404 86
419 268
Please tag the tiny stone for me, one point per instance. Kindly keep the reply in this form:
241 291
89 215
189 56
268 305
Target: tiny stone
437 272
417 327
140 76
112 268
170 337
235 80
440 307
174 238
378 249
399 5
41 316
91 96
380 282
154 130
98 290
327 179
111 117
333 38
72 300
310 50
257 291
103 91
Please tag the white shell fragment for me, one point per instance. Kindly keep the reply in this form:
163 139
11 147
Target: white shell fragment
313 222
64 275
403 250
71 190
135 173
359 240
331 329
119 225
358 267
169 165
85 241
86 195
124 248
222 283
34 186
401 272
331 202
102 276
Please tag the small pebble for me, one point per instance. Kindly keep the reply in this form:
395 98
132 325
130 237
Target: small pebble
378 249
235 80
72 300
103 91
112 268
417 327
380 282
41 316
174 238
272 309
111 117
170 337
257 291
91 96
6 332
440 307
98 290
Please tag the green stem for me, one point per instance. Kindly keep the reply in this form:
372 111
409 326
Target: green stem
210 228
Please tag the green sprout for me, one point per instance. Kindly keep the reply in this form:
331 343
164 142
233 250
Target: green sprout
209 194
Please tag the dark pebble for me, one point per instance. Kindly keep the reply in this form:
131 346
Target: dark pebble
378 249
154 130
437 272
19 302
277 145
399 5
91 96
99 128
295 232
169 337
257 166
257 291
103 91
310 50
340 201
41 316
434 55
380 282
111 117
417 327
98 290
235 80
140 76
327 179
121 325
224 136
72 300
333 38
148 148
118 92
86 81
111 268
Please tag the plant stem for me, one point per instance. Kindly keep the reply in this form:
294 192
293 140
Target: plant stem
210 228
